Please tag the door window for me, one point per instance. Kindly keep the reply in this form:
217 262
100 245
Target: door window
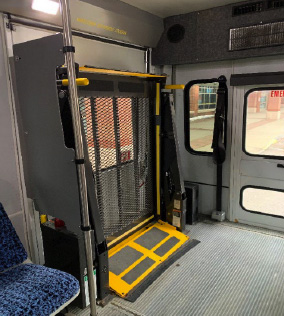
264 122
263 200
201 107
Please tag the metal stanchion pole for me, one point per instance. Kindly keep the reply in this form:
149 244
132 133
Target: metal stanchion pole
69 50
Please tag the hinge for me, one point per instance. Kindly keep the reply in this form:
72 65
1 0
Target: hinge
9 24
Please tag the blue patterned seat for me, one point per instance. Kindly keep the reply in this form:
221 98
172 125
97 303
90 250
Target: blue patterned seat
29 289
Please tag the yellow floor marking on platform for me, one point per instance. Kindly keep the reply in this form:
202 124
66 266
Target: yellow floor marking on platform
121 287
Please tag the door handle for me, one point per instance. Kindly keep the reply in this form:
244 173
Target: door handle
279 165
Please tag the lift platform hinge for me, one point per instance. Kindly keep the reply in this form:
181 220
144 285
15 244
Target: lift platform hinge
102 247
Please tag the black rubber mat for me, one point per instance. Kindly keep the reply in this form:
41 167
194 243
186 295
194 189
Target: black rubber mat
136 272
123 259
164 248
151 238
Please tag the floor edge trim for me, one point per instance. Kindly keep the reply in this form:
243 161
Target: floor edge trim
137 291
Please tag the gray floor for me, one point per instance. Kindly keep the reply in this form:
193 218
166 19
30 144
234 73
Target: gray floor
235 270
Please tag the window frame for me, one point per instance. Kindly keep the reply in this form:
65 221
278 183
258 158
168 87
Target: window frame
261 188
244 133
187 116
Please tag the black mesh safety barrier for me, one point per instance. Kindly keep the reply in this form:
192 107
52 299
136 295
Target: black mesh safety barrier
118 135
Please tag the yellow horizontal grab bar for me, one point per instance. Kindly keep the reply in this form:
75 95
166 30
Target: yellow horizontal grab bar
79 82
175 86
120 73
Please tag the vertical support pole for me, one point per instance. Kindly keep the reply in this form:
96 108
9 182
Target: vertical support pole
135 131
96 142
69 50
148 60
118 157
158 148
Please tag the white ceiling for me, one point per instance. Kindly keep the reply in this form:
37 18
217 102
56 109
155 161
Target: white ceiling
165 8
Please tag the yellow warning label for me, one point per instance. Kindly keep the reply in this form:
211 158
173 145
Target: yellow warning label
101 26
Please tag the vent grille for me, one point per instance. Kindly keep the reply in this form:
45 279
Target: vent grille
275 4
248 8
264 35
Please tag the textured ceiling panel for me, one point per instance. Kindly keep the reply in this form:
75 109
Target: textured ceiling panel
165 8
207 36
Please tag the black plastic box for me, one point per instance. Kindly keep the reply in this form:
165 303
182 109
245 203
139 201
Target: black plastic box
191 202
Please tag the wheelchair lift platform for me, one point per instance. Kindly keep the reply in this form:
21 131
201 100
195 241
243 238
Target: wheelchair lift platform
132 169
137 261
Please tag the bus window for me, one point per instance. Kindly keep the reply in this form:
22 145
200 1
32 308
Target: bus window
202 106
263 200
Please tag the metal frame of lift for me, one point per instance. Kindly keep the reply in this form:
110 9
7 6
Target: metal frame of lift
50 167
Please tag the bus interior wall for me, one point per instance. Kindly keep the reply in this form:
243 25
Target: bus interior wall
204 53
206 176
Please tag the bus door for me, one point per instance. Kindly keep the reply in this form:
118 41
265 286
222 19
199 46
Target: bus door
257 169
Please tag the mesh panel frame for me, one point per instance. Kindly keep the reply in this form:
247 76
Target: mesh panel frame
119 138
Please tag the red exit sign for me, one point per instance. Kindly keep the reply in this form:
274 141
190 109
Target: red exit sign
277 93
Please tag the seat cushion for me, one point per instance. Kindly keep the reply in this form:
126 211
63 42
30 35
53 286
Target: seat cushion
30 289
12 251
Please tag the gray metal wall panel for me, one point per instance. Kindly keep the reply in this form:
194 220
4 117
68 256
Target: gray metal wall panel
93 53
9 182
90 52
190 162
141 27
10 195
201 168
166 53
207 36
49 167
197 168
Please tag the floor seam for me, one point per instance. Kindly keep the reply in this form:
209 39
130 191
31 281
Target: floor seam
253 230
249 228
127 309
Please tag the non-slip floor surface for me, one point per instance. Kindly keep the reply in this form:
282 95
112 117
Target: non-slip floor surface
235 270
